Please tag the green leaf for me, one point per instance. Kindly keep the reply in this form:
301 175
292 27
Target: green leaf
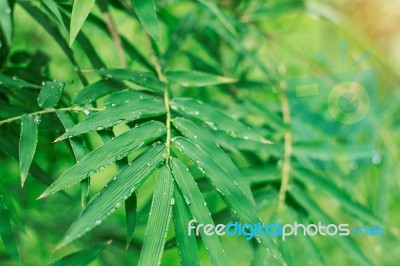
345 242
7 234
15 82
6 21
111 151
228 188
199 210
50 94
27 144
128 96
214 9
80 11
131 214
269 9
79 149
54 32
205 140
96 90
160 215
197 79
81 258
114 115
146 12
215 119
52 6
145 79
187 245
343 198
119 189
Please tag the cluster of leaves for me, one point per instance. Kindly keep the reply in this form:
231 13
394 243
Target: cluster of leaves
151 122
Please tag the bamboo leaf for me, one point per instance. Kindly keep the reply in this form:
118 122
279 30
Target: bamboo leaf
7 234
6 21
199 210
197 79
119 189
131 214
81 258
129 96
146 12
229 189
111 151
80 11
15 82
10 148
96 90
50 94
160 215
205 140
214 9
79 149
187 245
53 31
215 119
345 242
145 79
52 6
114 115
27 144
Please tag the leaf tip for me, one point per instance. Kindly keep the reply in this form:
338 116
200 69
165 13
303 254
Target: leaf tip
59 139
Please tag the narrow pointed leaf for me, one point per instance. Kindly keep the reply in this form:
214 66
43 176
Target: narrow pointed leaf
79 149
114 115
111 151
52 6
97 90
80 11
10 148
205 140
160 216
15 82
27 144
7 234
52 29
129 96
232 194
119 189
197 205
345 242
215 119
81 258
146 12
50 94
197 79
187 245
6 21
130 213
214 9
147 80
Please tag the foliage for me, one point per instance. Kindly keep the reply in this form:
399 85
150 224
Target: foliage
178 110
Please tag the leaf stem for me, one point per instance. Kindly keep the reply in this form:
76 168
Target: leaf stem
287 146
12 119
117 39
163 79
